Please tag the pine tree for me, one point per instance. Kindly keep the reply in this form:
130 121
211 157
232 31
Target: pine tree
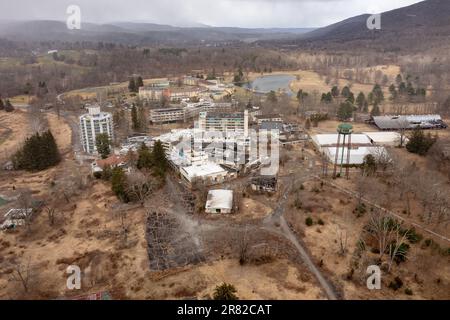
160 163
375 111
102 143
345 111
118 184
2 105
139 83
335 91
134 118
378 95
8 106
393 92
132 85
360 100
144 158
345 92
39 152
419 142
351 98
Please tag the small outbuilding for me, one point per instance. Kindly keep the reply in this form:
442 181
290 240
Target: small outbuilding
219 201
264 184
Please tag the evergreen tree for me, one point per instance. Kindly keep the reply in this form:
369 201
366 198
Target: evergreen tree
118 184
132 85
144 158
402 88
28 88
360 100
370 98
326 98
134 119
393 92
160 163
102 143
410 89
335 92
139 83
2 105
378 95
345 111
345 92
375 112
39 152
351 98
419 142
399 79
8 106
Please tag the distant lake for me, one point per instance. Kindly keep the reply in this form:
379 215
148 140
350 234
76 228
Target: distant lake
276 82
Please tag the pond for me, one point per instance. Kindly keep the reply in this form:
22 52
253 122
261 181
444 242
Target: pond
269 83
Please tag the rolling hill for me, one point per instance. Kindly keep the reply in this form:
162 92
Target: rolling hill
420 26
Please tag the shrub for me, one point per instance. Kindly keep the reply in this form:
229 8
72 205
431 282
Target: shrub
321 222
402 252
97 175
396 284
412 236
408 291
419 142
360 210
309 221
225 291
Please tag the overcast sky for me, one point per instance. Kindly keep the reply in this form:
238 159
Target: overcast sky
235 13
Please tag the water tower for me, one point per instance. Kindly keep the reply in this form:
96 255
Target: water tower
345 130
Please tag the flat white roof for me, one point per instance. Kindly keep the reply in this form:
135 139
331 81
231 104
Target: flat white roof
210 168
356 155
331 139
384 136
220 199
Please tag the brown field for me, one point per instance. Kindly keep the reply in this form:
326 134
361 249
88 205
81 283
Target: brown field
13 130
420 273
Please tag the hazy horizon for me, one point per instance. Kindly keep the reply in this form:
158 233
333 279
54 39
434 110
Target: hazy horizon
197 13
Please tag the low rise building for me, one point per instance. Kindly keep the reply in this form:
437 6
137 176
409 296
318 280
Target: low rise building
409 122
209 173
166 115
219 201
264 184
268 117
114 161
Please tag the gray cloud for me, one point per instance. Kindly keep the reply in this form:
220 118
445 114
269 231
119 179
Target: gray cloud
240 13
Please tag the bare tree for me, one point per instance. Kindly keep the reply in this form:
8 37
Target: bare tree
342 238
50 214
25 203
384 230
140 185
22 273
395 246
